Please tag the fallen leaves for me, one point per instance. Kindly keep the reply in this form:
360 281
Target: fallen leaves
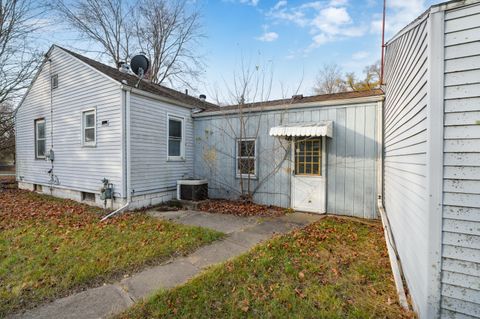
240 208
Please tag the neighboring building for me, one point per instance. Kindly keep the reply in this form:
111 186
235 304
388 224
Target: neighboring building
432 157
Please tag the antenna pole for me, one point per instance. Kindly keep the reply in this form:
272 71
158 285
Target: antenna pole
383 43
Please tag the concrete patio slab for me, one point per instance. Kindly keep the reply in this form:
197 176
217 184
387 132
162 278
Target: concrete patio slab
242 234
98 302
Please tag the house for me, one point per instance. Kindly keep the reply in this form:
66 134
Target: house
101 127
432 157
410 153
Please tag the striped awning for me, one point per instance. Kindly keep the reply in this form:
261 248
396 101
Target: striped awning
324 128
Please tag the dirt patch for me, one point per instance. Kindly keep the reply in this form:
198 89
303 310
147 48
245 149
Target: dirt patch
240 208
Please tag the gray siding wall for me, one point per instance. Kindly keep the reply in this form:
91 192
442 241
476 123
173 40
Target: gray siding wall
351 162
405 153
461 188
151 172
80 88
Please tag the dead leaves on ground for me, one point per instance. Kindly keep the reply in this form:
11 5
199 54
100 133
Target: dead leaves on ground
240 208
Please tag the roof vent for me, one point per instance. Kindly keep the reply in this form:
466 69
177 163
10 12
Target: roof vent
297 97
123 67
202 97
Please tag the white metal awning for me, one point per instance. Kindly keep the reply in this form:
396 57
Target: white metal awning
324 128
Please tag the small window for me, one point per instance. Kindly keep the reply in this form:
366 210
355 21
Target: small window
89 130
246 158
54 81
37 188
88 197
308 157
40 138
175 138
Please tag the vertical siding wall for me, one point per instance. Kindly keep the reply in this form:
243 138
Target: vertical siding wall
150 170
405 148
79 88
461 212
351 159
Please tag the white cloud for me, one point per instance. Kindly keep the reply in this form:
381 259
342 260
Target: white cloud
268 37
327 21
399 14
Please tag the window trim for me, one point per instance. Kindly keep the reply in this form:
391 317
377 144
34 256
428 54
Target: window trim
181 119
83 121
54 76
35 129
237 157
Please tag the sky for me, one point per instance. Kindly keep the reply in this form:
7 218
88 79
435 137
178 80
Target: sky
293 39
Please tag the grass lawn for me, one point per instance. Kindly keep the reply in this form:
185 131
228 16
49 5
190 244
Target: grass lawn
50 247
335 268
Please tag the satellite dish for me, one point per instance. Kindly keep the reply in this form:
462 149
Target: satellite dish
139 64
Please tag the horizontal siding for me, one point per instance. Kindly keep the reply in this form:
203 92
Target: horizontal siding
351 156
405 153
461 225
151 172
80 88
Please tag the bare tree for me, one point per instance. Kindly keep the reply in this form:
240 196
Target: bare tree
330 80
106 22
250 89
18 62
7 132
371 80
169 31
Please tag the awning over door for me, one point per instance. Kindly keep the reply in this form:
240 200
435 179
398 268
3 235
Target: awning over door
323 128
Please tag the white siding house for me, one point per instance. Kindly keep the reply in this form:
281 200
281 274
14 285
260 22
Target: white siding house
99 125
432 157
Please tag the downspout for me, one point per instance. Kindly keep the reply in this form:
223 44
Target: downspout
126 132
389 239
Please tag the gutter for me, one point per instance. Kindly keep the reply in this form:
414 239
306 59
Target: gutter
280 107
389 239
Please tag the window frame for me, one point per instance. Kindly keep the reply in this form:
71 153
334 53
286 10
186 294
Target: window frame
36 138
83 127
320 155
180 119
54 81
238 174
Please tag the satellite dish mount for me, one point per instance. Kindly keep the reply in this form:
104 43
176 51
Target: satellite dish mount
140 65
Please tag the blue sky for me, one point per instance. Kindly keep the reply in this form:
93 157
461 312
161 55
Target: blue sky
293 38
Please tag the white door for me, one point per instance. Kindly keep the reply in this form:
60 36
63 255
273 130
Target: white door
309 183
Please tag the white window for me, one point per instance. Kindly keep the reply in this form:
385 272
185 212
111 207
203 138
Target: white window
54 81
89 128
176 147
246 158
40 138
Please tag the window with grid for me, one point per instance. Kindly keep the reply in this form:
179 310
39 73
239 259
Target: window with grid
89 128
246 158
308 157
40 138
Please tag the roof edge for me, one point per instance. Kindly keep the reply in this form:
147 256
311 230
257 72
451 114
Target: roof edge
284 107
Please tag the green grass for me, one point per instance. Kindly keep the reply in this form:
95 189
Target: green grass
335 268
50 247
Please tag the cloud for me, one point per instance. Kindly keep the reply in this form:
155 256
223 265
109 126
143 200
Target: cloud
399 14
268 37
327 21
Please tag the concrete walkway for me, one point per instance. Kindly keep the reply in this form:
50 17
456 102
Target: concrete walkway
242 234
